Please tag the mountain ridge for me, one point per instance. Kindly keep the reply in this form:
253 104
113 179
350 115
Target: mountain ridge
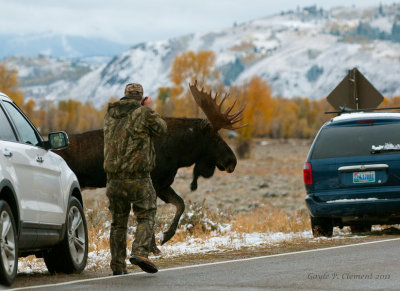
303 52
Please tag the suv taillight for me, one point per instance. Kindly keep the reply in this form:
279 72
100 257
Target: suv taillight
307 173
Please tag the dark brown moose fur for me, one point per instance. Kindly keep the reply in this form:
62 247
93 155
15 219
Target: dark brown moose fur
187 142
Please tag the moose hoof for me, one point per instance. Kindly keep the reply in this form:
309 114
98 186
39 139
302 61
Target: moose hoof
167 237
193 186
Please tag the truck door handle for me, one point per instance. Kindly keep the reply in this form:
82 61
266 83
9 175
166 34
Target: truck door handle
7 153
39 160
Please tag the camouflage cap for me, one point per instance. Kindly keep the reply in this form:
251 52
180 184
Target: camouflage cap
134 90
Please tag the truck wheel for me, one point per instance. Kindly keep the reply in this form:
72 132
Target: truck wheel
8 245
359 228
321 226
70 255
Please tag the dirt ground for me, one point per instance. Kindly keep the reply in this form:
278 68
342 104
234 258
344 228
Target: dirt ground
273 175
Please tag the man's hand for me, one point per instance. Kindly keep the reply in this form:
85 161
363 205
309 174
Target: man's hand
146 101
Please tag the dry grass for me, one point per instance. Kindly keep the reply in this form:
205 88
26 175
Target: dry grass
98 219
198 222
244 46
271 219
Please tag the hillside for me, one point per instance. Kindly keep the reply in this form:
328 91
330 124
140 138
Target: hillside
304 53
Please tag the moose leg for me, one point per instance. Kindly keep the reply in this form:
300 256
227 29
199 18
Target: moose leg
193 185
202 168
168 195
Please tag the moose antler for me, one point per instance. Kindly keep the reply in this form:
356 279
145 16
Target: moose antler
212 110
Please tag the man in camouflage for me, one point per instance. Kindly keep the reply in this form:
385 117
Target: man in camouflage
129 157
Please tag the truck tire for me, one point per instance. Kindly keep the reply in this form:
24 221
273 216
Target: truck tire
360 228
70 255
8 245
321 226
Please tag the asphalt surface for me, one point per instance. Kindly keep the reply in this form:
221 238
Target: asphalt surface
364 266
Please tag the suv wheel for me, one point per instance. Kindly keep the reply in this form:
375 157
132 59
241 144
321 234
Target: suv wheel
359 228
8 245
71 255
321 226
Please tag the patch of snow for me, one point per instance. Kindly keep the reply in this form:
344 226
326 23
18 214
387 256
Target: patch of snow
383 23
31 265
160 236
236 241
364 115
377 228
99 259
224 228
386 146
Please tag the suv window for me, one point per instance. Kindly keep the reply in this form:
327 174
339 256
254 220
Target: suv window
6 131
25 130
345 141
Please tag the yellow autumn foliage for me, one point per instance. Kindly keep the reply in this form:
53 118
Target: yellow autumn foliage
177 101
9 85
259 107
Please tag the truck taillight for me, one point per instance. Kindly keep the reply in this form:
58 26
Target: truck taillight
307 173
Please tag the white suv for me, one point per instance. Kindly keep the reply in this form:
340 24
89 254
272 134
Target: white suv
40 199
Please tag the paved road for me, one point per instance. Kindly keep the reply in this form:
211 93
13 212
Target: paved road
365 266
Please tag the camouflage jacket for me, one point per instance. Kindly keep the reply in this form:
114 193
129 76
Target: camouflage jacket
128 131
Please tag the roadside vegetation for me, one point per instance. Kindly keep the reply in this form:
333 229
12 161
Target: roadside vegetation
200 225
198 222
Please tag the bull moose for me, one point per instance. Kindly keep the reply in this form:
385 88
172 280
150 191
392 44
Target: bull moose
188 141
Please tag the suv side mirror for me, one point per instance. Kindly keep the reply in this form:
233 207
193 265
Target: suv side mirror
58 140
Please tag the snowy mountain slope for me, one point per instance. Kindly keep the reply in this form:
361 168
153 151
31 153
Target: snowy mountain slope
43 76
299 53
313 65
148 64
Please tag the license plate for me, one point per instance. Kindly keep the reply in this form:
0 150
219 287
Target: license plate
364 177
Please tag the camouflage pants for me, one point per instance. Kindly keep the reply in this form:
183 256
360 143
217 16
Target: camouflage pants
122 194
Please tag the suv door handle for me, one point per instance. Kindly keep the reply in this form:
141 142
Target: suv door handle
370 167
39 160
7 153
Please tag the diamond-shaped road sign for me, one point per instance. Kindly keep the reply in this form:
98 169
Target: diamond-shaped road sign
355 92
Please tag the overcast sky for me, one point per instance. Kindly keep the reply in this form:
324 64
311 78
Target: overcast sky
132 21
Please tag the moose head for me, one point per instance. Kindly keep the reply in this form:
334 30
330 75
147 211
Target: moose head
216 152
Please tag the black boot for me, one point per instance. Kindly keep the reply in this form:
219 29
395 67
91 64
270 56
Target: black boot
144 263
